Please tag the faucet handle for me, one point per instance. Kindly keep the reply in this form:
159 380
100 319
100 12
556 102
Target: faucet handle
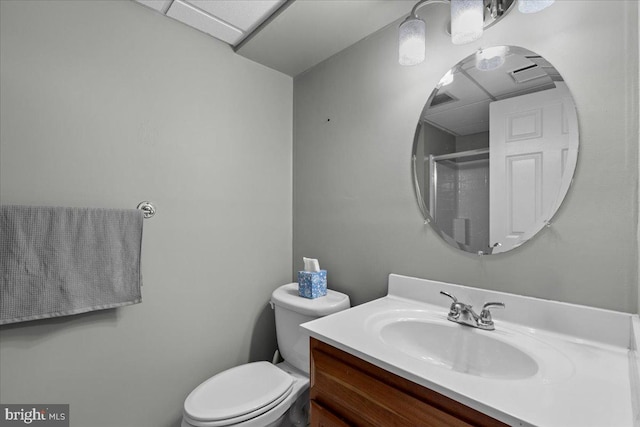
454 310
493 304
450 296
485 314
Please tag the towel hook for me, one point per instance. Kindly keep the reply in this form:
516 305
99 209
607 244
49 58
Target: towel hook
147 208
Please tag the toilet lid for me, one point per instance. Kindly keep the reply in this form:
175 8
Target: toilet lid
239 393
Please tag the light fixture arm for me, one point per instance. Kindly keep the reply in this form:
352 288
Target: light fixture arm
421 3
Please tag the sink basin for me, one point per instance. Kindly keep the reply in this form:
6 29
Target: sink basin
460 348
507 353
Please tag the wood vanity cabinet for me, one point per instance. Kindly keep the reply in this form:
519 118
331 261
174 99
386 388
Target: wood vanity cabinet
347 391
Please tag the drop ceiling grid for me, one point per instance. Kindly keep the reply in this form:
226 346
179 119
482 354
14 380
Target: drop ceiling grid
228 20
199 19
244 15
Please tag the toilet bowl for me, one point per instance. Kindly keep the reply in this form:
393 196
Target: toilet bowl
261 394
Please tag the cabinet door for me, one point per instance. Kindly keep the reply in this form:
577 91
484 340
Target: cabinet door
355 392
321 417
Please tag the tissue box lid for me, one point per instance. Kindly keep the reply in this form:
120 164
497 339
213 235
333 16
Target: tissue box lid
286 296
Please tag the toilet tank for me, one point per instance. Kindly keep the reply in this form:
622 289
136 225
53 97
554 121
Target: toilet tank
291 310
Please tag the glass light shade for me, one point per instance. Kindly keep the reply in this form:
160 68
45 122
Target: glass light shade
533 6
491 58
411 46
467 20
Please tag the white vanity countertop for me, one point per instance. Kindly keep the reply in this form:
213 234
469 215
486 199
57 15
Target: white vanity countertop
589 373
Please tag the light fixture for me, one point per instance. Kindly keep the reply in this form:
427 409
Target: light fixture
411 48
411 36
533 6
468 20
490 58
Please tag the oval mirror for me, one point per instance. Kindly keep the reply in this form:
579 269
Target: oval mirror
495 150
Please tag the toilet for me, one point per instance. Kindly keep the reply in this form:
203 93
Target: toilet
261 394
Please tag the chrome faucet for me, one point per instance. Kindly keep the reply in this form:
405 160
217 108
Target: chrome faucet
462 313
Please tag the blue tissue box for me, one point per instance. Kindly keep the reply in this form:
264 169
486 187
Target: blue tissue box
312 284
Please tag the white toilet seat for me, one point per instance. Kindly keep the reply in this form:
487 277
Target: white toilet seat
238 394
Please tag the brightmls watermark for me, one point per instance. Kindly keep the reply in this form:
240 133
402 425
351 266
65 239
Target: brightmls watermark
34 415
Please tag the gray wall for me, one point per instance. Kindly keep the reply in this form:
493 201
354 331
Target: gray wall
354 122
106 104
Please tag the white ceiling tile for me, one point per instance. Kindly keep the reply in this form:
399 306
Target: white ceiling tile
465 119
200 20
159 5
243 14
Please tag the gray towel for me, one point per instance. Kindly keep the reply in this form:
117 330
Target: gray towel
63 261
